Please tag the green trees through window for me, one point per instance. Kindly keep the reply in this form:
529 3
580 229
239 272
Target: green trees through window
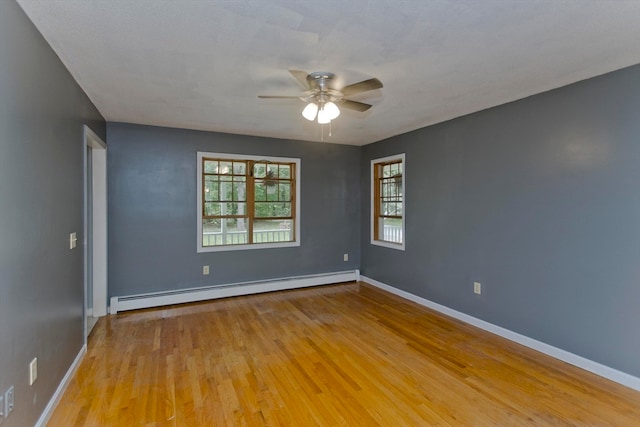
245 201
387 182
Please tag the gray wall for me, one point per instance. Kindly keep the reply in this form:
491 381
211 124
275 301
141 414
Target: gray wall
538 200
42 111
152 210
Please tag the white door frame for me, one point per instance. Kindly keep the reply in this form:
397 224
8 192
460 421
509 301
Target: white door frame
99 223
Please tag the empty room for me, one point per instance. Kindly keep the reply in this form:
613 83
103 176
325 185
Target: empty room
297 213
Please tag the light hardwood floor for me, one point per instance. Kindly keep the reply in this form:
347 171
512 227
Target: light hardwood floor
342 355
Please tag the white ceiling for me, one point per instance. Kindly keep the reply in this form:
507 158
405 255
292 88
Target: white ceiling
201 64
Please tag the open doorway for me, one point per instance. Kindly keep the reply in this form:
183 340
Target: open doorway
95 229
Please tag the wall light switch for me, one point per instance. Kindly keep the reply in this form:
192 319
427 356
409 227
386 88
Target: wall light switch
33 371
73 240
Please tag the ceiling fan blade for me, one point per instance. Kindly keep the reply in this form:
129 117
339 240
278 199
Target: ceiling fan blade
300 76
354 105
363 86
277 97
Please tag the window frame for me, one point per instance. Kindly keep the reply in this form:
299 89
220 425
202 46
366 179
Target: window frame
201 155
375 201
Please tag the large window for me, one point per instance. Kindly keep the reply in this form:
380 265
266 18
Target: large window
247 202
387 202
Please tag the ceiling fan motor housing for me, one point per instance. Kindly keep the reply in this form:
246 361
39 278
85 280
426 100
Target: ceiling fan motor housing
320 80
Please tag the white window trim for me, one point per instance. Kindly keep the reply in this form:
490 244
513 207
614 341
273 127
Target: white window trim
397 246
202 249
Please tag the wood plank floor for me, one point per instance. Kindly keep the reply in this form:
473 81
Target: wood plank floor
342 355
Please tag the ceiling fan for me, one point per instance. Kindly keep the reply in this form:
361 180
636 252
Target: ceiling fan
323 97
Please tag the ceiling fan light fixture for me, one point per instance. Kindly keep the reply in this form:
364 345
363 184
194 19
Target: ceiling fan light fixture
323 95
310 111
332 110
323 116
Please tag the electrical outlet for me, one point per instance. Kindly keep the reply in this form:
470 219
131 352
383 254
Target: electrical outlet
8 401
205 270
33 371
477 288
346 257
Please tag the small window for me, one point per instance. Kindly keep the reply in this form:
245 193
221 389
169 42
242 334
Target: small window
387 202
247 202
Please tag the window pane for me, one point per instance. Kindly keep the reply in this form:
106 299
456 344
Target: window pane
212 209
393 209
272 231
283 209
259 170
210 229
210 166
392 230
272 171
231 231
385 189
260 191
239 168
211 225
272 191
285 192
234 208
284 171
225 168
211 188
239 191
267 209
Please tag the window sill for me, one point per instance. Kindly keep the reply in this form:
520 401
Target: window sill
390 245
227 248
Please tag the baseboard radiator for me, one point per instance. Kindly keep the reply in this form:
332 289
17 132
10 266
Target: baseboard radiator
159 299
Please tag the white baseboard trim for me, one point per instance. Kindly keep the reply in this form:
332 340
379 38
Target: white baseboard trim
573 359
62 387
158 299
